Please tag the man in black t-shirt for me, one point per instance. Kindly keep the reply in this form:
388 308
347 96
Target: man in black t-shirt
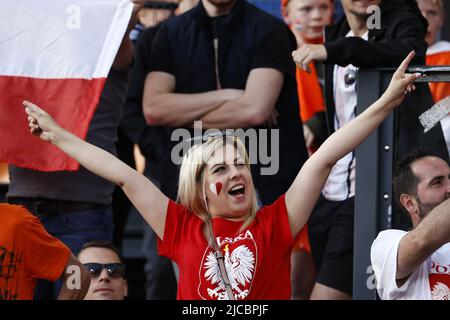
227 64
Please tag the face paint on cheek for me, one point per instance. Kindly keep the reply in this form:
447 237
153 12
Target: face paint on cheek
218 187
215 187
297 26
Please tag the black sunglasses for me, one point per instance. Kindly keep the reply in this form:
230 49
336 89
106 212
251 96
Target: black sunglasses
115 270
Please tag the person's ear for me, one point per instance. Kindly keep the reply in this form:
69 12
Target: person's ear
410 204
285 15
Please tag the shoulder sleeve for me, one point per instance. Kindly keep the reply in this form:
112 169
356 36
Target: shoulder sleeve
383 255
178 218
161 58
409 35
45 257
273 50
275 223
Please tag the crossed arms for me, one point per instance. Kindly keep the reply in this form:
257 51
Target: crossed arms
219 109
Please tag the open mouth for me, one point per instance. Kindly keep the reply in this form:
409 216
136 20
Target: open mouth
237 190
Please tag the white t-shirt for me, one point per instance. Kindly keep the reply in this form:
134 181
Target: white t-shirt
340 184
430 281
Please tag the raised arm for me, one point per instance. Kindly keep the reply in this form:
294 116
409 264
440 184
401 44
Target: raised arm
164 107
429 235
304 192
145 196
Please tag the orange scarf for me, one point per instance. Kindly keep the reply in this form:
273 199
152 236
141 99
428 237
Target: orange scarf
310 95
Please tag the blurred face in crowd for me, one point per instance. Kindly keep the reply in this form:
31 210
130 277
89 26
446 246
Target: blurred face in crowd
222 3
150 17
105 285
435 17
216 8
228 167
359 7
185 5
433 188
308 17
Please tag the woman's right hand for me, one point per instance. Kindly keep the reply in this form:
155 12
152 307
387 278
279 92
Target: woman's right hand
40 122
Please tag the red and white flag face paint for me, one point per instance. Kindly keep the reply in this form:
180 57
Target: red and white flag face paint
56 54
215 187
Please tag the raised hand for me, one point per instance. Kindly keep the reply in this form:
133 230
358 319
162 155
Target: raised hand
40 122
307 53
401 83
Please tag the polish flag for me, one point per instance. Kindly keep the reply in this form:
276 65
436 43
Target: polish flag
56 54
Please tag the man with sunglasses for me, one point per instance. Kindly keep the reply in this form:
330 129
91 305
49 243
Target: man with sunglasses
102 260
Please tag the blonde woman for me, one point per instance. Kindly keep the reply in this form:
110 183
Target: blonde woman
225 248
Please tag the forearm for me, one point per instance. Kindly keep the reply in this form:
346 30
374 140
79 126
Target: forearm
304 192
143 194
124 56
315 171
253 107
67 293
91 157
409 35
419 244
347 138
178 109
234 114
75 281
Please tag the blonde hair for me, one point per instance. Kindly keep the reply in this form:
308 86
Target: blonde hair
191 188
439 4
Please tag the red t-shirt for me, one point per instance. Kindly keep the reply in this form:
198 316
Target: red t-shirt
27 253
257 259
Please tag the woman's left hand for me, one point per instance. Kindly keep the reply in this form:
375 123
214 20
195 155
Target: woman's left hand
401 83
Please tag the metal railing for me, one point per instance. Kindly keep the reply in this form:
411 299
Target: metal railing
374 208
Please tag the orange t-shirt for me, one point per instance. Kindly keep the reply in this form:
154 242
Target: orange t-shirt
438 54
27 253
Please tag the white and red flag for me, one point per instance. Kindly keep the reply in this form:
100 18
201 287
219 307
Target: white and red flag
57 54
